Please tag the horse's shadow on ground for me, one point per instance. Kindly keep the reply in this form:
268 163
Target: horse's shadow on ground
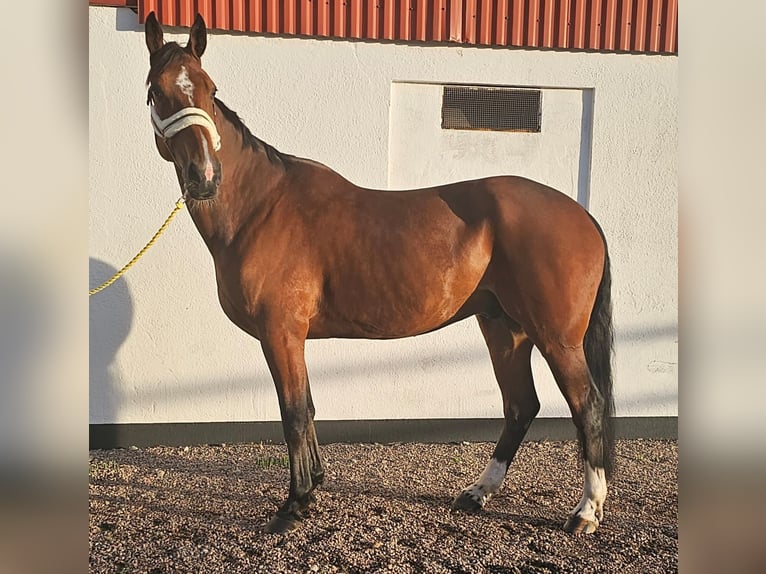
494 513
258 507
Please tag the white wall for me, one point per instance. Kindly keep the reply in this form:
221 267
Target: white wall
161 348
422 153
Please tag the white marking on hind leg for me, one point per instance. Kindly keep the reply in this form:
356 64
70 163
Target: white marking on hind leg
489 482
591 505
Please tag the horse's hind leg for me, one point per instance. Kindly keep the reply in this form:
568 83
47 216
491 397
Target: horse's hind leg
587 406
510 351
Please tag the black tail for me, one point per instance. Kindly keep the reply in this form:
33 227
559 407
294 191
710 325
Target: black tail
599 347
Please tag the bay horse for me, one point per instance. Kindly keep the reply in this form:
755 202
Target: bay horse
300 252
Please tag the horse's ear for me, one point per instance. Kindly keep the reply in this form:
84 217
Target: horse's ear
153 32
197 37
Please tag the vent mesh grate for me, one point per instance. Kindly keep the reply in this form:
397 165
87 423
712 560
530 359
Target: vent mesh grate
494 109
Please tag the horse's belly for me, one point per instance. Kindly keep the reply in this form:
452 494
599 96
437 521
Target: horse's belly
391 325
390 303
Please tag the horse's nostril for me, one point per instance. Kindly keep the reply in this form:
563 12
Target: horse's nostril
194 174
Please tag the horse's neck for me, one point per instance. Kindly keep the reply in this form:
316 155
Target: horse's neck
247 191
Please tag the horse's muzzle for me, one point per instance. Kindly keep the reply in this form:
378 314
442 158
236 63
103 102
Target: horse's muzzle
200 185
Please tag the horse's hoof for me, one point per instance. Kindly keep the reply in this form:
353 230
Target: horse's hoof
280 525
579 525
466 502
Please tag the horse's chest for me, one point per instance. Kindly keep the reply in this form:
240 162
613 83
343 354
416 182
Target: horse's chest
235 295
251 288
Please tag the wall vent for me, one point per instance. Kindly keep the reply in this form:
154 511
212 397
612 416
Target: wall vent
491 109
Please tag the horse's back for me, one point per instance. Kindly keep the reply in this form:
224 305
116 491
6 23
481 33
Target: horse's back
388 264
395 263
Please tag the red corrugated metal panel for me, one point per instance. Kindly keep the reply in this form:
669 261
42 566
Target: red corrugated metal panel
339 18
655 16
640 25
186 11
533 24
469 21
606 25
485 22
356 19
373 20
389 20
594 25
517 23
439 23
623 32
271 8
501 24
549 20
671 27
610 25
580 24
455 20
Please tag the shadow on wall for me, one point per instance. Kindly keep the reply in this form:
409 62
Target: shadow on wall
586 144
111 316
651 332
334 376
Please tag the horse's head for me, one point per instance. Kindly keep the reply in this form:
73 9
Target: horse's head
181 98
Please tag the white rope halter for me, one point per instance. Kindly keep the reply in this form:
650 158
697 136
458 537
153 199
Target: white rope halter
182 119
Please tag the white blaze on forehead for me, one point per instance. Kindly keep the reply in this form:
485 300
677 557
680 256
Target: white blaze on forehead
183 82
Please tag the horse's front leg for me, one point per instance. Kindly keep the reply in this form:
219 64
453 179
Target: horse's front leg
284 352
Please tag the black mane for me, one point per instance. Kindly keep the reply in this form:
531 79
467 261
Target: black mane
274 155
170 53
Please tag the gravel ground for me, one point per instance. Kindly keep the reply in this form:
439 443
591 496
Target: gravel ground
382 508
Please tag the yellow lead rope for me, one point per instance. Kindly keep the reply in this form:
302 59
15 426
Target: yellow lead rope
105 284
